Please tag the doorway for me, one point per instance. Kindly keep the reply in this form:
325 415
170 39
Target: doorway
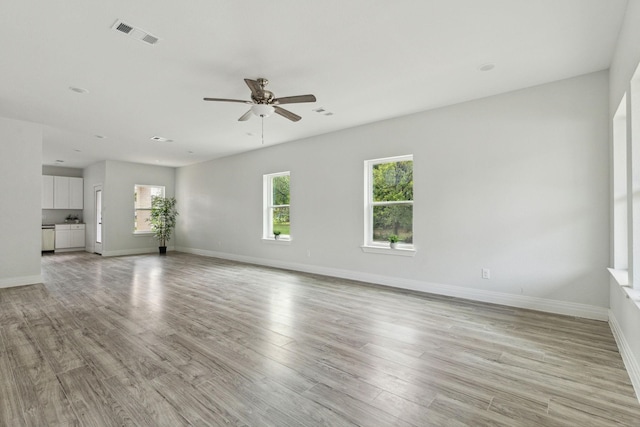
97 243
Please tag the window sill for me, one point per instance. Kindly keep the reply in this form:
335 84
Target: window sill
622 278
279 241
388 251
143 233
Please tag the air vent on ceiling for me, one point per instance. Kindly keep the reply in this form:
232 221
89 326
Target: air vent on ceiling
124 28
148 38
136 33
321 110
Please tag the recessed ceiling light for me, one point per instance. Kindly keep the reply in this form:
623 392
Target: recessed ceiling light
486 67
77 151
250 134
190 152
78 89
100 136
59 161
161 139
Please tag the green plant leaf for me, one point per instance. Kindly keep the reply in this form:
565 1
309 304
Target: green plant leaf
163 218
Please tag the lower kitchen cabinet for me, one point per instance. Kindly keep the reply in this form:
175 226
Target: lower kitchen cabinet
70 236
77 236
63 236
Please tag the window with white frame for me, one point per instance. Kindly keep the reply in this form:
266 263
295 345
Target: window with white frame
389 202
277 198
142 195
620 188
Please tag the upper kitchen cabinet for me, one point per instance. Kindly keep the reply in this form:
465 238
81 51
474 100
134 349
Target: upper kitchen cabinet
76 193
47 192
62 192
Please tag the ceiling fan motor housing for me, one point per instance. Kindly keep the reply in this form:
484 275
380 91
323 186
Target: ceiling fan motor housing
266 97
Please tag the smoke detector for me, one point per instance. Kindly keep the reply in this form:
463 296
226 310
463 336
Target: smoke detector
136 33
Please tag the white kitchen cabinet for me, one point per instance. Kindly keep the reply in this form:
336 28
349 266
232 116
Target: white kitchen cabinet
63 236
77 236
76 193
61 192
70 236
47 192
68 192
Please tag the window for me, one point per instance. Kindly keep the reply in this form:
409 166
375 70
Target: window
620 188
142 195
389 201
276 206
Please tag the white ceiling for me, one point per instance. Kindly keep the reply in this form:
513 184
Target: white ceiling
365 60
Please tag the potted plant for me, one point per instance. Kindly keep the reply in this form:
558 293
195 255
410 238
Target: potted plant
68 219
393 241
276 234
76 219
163 219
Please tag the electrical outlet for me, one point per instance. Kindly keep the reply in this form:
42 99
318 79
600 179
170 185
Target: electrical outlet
486 273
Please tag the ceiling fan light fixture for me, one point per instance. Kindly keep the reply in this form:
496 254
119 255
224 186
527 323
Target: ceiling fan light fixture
262 110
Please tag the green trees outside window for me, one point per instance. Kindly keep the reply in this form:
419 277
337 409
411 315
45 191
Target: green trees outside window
281 201
276 206
392 200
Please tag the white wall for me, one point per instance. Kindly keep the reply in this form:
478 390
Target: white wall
20 187
625 313
626 57
118 211
517 183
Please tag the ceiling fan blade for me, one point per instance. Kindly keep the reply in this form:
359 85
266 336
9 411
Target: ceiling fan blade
245 116
227 100
286 113
294 99
256 89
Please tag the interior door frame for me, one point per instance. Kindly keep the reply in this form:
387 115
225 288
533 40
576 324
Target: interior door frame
98 209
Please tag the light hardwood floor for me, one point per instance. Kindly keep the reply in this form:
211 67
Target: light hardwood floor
187 340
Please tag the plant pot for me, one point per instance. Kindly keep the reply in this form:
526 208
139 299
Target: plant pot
393 245
163 250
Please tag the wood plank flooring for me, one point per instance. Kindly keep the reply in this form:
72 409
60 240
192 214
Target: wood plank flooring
188 340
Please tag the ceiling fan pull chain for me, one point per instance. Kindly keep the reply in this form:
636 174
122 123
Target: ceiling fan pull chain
262 119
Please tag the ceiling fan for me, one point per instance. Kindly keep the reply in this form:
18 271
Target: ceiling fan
264 103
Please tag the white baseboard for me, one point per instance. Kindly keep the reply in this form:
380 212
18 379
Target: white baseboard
629 359
20 281
140 251
520 301
69 250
